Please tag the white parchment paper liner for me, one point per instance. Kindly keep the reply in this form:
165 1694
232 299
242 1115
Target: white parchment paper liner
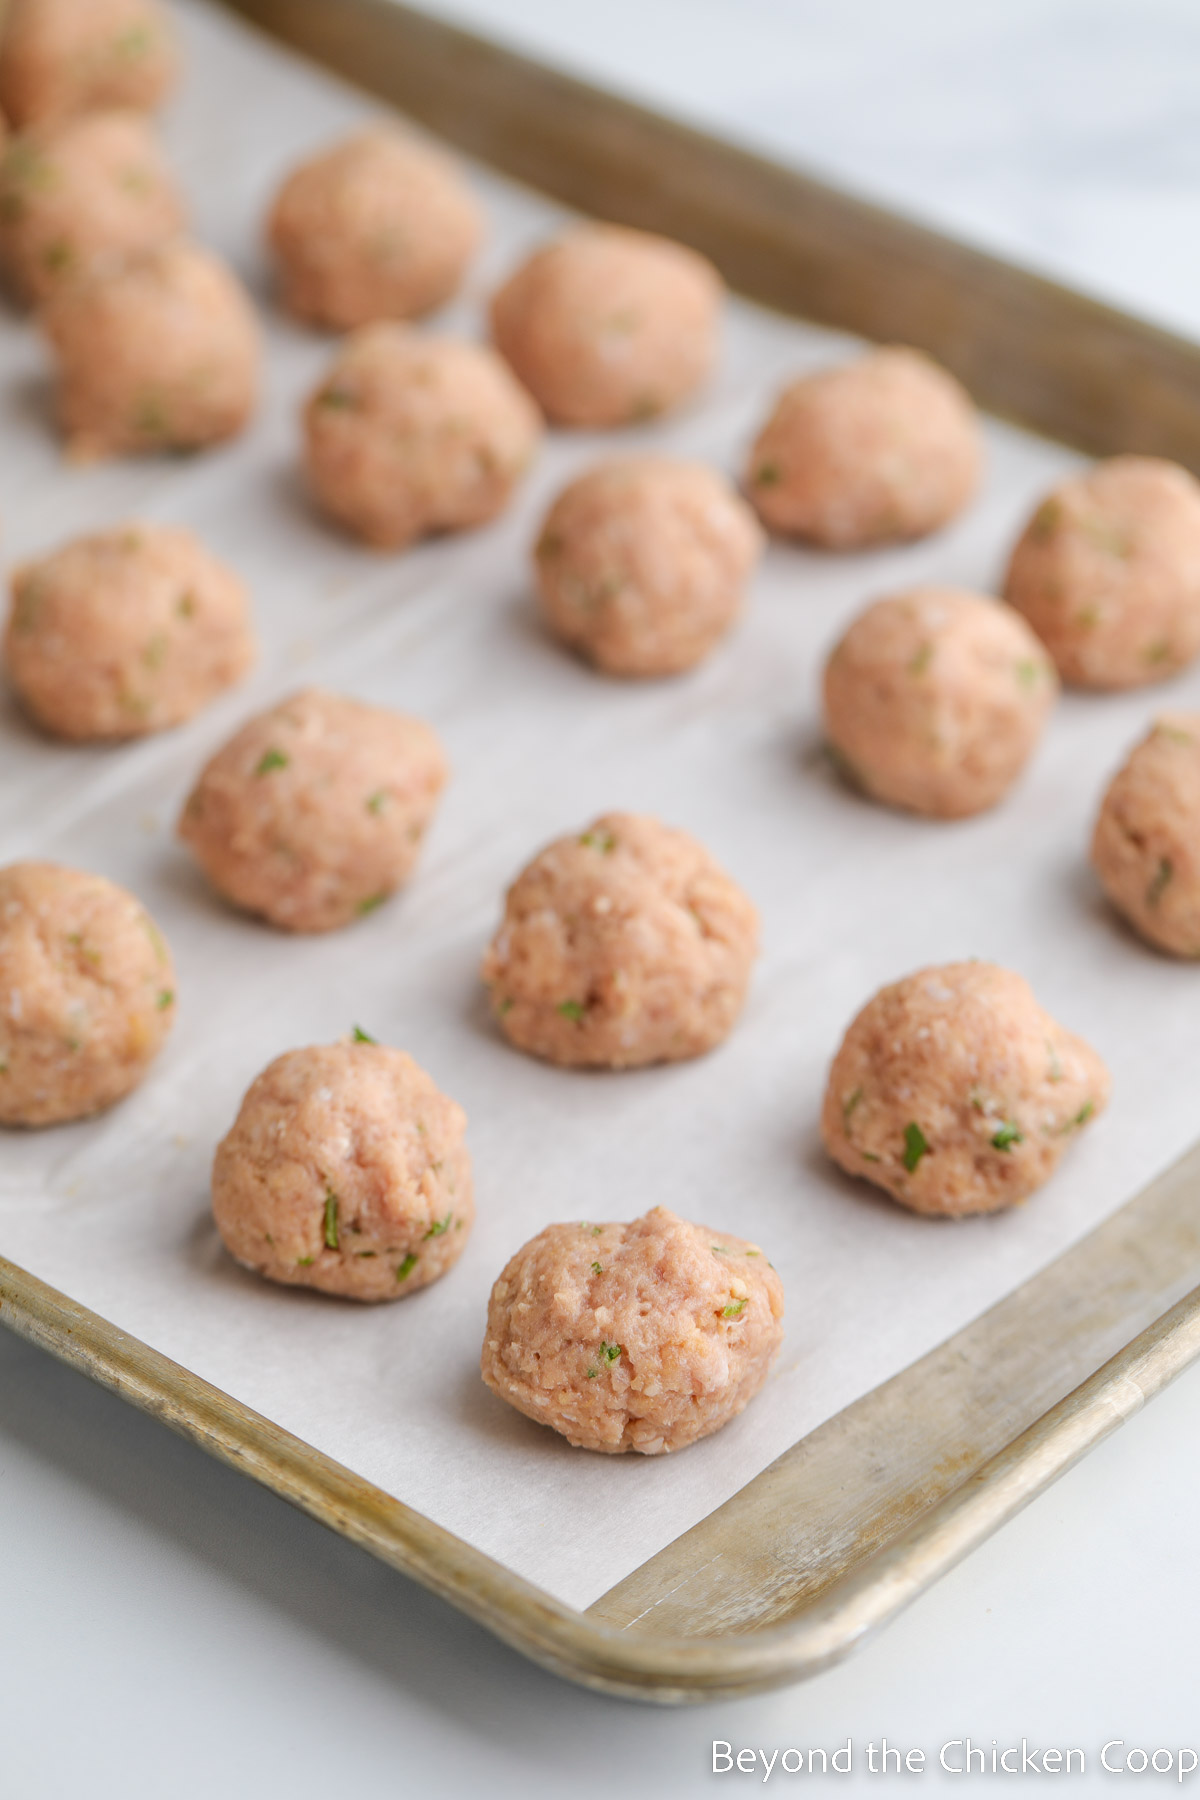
114 1212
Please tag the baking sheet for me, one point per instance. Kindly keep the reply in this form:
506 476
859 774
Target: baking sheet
114 1211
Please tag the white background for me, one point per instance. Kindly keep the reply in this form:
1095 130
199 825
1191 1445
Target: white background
165 1629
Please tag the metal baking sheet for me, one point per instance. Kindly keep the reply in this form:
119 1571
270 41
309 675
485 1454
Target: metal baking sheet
112 1213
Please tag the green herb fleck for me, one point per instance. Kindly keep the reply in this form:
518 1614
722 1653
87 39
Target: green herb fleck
331 1219
1056 1068
603 841
870 1156
1081 1117
734 1310
1105 535
271 760
504 1005
1028 672
848 1106
592 1374
406 1268
1173 732
185 606
135 41
378 801
438 1226
157 941
610 1352
1162 876
921 661
572 1009
1047 519
304 1262
369 904
150 417
165 999
337 398
364 1253
1157 652
1008 1135
916 1145
363 1037
58 257
719 1249
767 475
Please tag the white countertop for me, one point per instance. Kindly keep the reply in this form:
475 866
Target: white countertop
170 1632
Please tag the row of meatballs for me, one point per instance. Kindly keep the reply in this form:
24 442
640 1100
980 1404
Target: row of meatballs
314 812
347 1170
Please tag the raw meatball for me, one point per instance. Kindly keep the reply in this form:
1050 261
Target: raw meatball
955 1092
643 1336
642 564
315 811
610 326
935 700
882 449
1108 573
76 194
159 352
378 227
623 945
346 1170
87 993
59 57
1146 845
126 632
409 435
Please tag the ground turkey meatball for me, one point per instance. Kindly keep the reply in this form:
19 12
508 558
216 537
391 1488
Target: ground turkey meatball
880 450
378 227
87 993
346 1170
642 564
935 700
158 352
409 435
955 1092
80 193
1146 845
315 811
1108 573
126 632
610 326
623 945
59 57
643 1336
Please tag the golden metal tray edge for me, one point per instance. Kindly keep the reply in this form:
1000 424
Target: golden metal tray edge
845 1529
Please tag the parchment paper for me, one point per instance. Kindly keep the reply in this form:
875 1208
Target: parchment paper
114 1212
